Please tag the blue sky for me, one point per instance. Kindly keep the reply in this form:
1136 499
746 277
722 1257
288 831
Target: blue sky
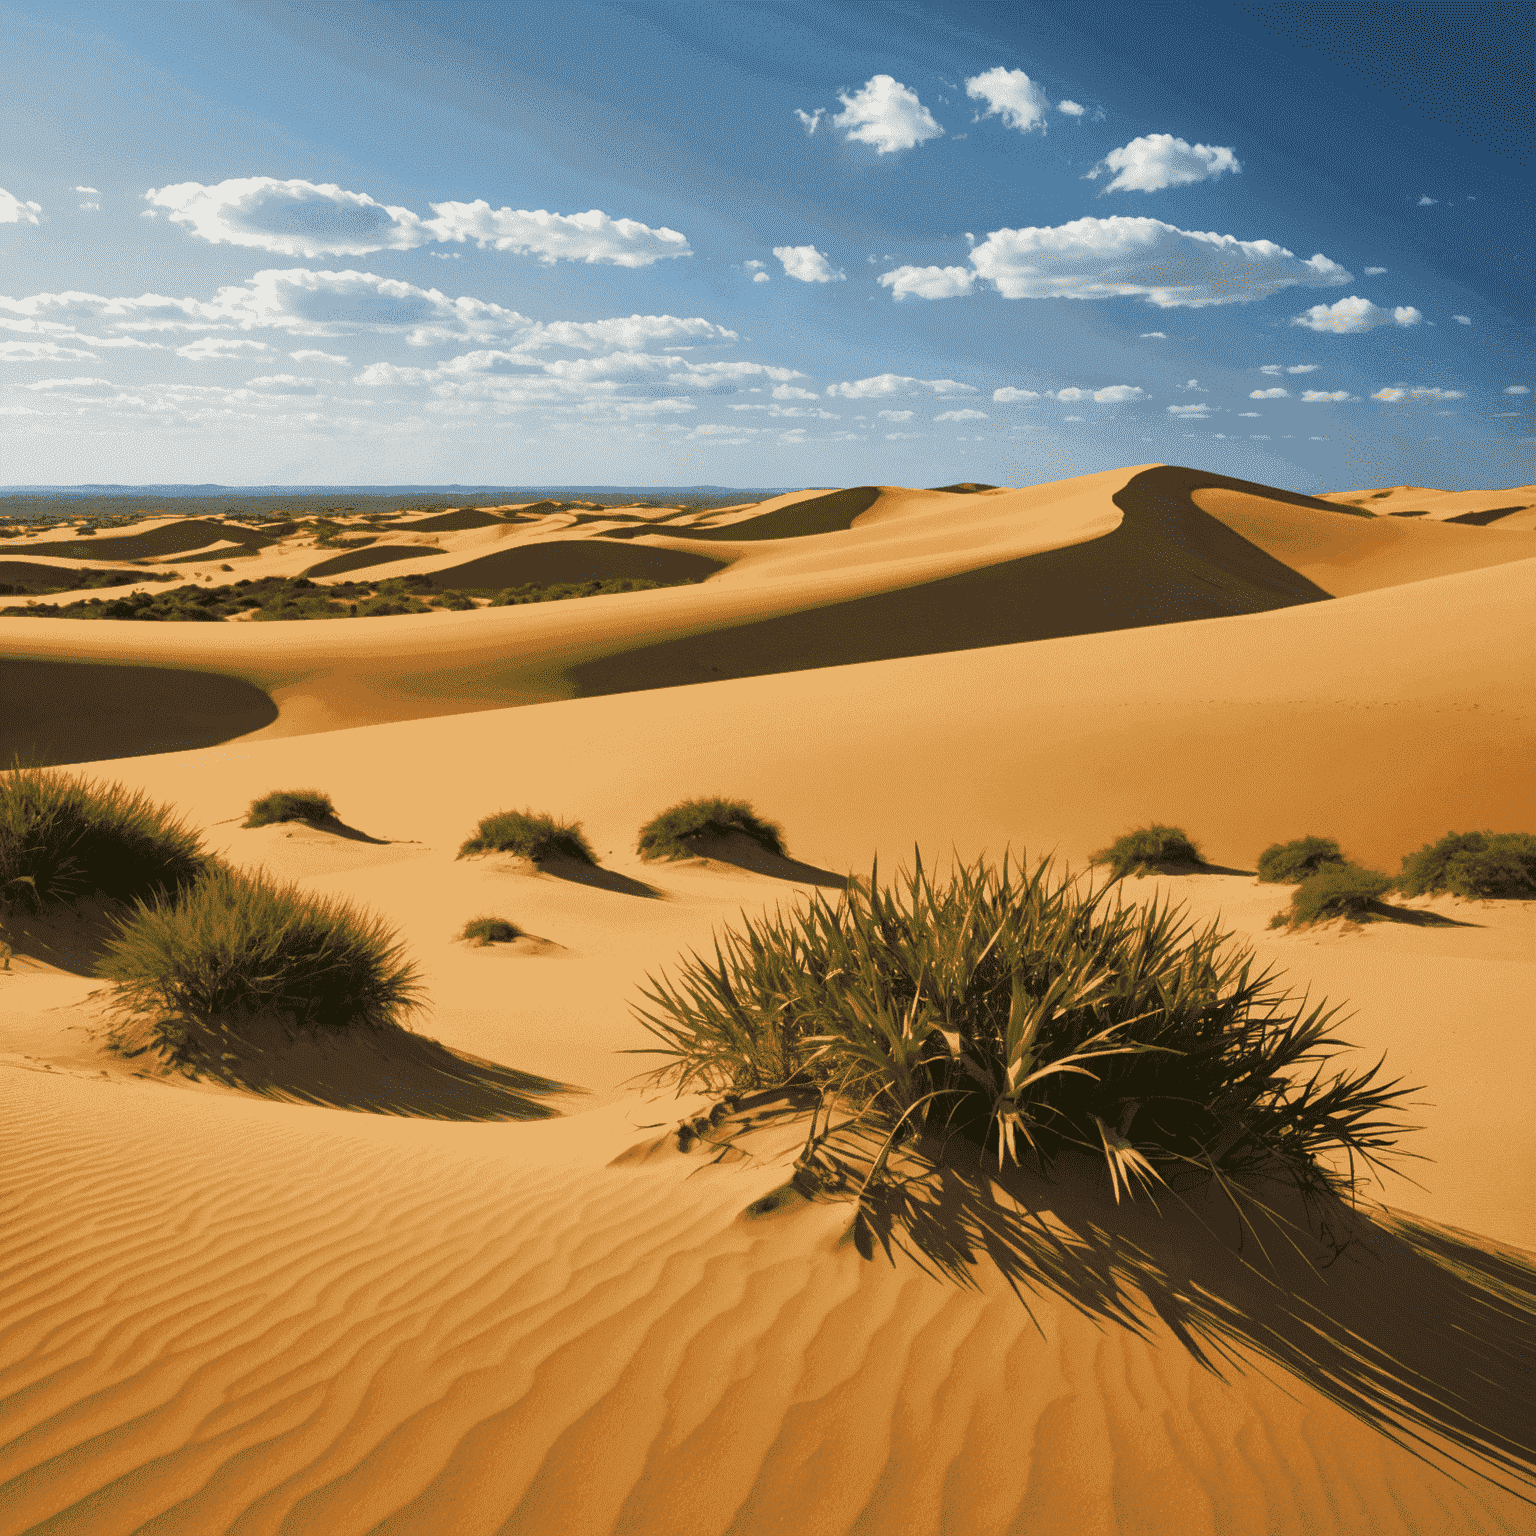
765 244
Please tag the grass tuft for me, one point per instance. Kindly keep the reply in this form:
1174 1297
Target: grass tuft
1034 1016
532 835
290 805
232 947
1478 865
1336 890
64 837
490 930
1148 849
673 834
1289 863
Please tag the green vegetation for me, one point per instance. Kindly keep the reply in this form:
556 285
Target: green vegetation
531 835
1473 865
507 597
1288 863
1148 849
1031 1016
64 837
84 581
1336 890
290 805
674 833
490 930
232 946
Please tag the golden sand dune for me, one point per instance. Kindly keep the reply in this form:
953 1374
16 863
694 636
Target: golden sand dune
1514 507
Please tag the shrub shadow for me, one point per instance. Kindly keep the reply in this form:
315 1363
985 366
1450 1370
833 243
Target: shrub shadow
71 937
743 852
578 873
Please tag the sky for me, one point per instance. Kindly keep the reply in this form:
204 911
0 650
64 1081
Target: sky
765 244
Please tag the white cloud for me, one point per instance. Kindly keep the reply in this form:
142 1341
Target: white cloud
1374 271
88 191
895 415
1196 412
1250 413
761 277
40 352
1011 396
792 392
1011 95
1071 418
1326 397
1392 394
1194 384
885 113
1071 108
1274 370
1159 160
89 207
883 384
1428 202
14 211
1355 314
965 415
928 282
809 120
1462 319
304 218
1152 336
806 264
69 383
215 349
901 437
1269 394
1113 394
307 355
752 266
1516 389
274 380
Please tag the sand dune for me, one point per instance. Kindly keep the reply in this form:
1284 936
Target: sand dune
1514 507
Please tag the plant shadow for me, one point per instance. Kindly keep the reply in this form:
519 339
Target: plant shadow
559 867
745 853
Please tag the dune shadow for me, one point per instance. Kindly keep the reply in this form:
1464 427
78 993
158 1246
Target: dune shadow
744 853
338 828
1340 1298
1483 518
598 878
366 559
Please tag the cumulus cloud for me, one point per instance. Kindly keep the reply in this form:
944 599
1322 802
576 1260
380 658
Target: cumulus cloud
964 415
1428 202
14 211
887 114
1394 393
1113 394
1159 160
1011 95
1324 396
806 264
213 349
1274 370
928 282
761 277
792 392
1153 336
1462 319
1196 412
1269 394
883 384
895 415
309 355
1374 271
1125 257
809 120
1010 396
1250 413
1071 108
41 352
1354 314
69 383
1071 418
304 218
1516 389
1194 384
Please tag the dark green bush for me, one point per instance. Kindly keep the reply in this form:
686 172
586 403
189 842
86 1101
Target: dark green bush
1148 848
1473 865
490 930
290 805
532 835
1031 1015
1288 863
233 947
64 837
1336 890
675 832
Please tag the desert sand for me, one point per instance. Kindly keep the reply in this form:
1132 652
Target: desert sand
469 1282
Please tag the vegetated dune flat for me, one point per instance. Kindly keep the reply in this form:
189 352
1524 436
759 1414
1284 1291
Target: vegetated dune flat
249 1304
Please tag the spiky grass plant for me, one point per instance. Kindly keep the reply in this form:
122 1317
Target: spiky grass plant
1032 1015
1290 863
1148 849
533 835
233 947
1336 890
1475 865
64 837
290 805
489 930
674 834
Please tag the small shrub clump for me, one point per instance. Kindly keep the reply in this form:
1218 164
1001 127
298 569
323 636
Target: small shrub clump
290 805
1148 849
64 837
1031 1015
1336 890
490 930
1473 865
1289 863
231 947
532 835
674 834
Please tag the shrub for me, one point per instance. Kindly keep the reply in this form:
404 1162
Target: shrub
1029 1014
1336 890
490 930
533 836
1473 864
1148 848
232 946
64 837
1288 863
290 805
674 833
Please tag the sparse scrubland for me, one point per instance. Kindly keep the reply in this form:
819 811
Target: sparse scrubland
1336 890
530 834
1147 850
1473 865
290 805
1035 1017
1289 863
675 833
